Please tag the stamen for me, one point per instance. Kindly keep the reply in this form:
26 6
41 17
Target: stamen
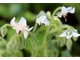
65 18
19 32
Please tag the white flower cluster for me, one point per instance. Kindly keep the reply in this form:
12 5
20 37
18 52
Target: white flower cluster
22 26
42 20
69 34
64 11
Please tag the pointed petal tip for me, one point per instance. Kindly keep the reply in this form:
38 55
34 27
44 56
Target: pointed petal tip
30 28
22 21
72 10
12 22
22 17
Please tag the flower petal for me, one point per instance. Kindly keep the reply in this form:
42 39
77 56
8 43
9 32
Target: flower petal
41 19
71 10
12 22
30 29
38 21
75 34
63 34
22 22
25 34
59 14
46 22
17 31
64 10
69 36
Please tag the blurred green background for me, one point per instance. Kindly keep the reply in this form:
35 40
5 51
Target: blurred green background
30 10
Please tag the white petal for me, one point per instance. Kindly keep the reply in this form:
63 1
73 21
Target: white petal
75 34
69 8
72 10
40 19
68 37
12 22
30 29
22 22
59 14
25 33
64 10
63 34
17 31
46 22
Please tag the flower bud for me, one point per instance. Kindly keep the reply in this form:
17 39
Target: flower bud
3 31
49 14
68 44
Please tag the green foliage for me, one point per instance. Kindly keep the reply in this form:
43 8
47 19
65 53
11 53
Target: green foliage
42 41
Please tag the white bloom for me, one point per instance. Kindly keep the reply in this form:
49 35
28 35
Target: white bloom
64 11
42 19
69 33
20 26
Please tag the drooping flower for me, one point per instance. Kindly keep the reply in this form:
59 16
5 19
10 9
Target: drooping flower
20 26
69 34
42 20
64 11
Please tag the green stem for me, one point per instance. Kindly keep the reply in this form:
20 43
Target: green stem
61 27
33 42
35 27
55 11
32 38
7 25
1 38
44 41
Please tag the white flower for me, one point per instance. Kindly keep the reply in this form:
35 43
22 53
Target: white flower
42 19
69 33
64 11
20 26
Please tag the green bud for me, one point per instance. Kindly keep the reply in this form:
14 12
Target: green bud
69 44
57 21
49 15
62 42
3 31
75 38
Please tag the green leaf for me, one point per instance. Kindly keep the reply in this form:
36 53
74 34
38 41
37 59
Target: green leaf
65 53
61 41
12 45
21 41
2 42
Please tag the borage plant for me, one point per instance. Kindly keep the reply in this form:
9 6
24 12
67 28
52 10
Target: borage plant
46 38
